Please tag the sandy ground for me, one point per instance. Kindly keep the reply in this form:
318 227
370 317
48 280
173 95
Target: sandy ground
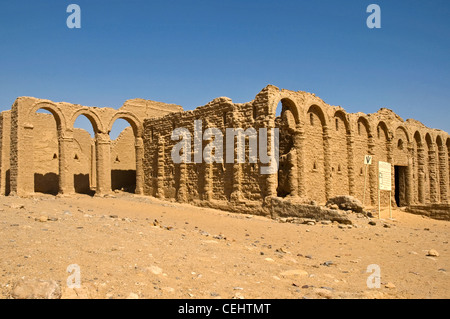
193 252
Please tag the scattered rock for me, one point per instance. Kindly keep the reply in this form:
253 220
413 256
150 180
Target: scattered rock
346 202
432 253
389 285
132 296
328 263
326 222
325 293
155 270
372 223
36 289
281 250
238 296
16 206
42 219
294 272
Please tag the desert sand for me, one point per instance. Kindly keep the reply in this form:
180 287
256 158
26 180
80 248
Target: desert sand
130 246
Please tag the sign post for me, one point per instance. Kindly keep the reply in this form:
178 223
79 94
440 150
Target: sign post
367 162
384 183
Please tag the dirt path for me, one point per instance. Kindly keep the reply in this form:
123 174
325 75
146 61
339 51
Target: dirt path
193 252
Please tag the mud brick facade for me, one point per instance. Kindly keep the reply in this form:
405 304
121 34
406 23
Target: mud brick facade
322 149
45 153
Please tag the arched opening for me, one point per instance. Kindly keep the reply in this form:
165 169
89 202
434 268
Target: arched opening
441 161
123 156
361 148
401 167
84 163
448 167
340 148
417 172
315 146
46 151
285 121
430 174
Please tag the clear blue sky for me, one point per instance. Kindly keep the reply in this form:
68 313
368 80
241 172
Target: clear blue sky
190 52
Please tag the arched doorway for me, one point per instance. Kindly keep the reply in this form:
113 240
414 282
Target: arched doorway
285 121
126 152
46 154
317 166
123 156
83 156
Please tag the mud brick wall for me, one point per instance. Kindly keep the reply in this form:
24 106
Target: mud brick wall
5 131
45 153
322 149
199 181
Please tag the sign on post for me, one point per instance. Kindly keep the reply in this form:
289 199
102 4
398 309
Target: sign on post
367 162
384 174
384 183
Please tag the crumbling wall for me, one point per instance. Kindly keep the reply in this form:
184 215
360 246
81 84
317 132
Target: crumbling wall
45 154
5 131
323 150
64 172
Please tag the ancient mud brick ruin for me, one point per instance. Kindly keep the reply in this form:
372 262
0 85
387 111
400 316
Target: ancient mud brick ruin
322 151
45 153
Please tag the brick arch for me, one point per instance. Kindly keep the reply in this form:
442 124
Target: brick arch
428 139
448 168
442 168
418 138
401 142
132 119
365 122
317 110
402 128
92 116
54 110
342 115
46 179
431 176
382 125
342 167
317 147
287 104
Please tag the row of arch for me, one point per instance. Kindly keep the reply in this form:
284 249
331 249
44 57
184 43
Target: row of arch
328 145
65 120
102 121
